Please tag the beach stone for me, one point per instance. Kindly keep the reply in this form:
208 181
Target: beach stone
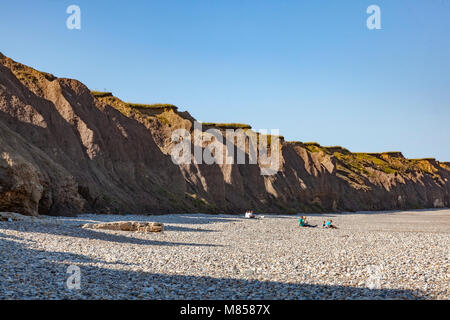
403 254
127 226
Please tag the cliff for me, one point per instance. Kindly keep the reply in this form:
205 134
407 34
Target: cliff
66 150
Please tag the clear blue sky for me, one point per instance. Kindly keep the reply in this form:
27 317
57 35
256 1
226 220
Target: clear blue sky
310 68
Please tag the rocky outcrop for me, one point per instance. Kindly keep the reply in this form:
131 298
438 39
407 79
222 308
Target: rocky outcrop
65 149
12 216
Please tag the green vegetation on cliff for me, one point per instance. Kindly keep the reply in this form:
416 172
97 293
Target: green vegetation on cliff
227 125
101 94
352 164
154 106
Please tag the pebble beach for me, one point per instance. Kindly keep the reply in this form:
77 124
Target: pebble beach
372 255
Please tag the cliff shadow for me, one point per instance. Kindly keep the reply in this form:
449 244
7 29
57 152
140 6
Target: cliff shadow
174 219
122 237
43 274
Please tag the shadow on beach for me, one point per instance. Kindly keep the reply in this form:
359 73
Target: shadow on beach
178 218
39 274
78 232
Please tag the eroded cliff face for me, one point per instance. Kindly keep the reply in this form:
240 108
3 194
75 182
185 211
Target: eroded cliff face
64 150
93 157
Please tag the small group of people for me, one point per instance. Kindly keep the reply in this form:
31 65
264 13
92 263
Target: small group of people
328 224
302 222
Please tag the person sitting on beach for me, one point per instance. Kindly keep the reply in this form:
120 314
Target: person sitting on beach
332 226
329 225
303 223
306 224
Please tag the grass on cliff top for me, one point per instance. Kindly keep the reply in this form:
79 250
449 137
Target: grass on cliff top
369 157
135 110
336 149
424 165
152 106
360 159
393 153
101 94
395 164
269 136
315 144
312 146
423 159
227 125
445 165
316 147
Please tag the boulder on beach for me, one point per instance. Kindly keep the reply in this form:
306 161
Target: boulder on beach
127 226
